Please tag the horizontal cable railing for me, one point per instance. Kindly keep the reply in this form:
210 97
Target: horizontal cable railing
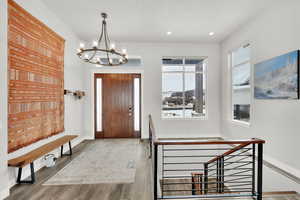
189 168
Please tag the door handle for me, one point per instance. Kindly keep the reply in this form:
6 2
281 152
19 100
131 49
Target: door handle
130 111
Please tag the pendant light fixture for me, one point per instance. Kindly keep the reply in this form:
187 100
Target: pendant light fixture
103 52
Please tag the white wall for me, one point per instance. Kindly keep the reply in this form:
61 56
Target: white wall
151 55
274 32
73 80
3 100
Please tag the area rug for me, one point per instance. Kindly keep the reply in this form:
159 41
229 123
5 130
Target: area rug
102 161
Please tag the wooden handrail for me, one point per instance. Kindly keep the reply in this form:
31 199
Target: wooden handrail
229 152
206 142
178 141
241 143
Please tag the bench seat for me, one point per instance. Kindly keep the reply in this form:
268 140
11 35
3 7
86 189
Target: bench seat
31 156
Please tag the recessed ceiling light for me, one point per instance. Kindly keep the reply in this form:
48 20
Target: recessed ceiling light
211 33
169 33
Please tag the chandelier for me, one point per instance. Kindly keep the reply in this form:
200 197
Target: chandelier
103 52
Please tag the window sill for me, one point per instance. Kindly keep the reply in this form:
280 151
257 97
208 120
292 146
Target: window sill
240 123
184 119
244 87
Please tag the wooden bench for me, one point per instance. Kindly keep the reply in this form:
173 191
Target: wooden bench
30 157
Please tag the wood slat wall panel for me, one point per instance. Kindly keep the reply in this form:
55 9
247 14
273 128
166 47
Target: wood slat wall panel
36 79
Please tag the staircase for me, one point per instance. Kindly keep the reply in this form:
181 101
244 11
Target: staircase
186 187
200 169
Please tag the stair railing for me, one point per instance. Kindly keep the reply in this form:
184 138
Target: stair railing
211 168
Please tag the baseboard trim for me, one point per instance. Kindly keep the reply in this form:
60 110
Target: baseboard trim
4 193
191 138
278 169
280 193
282 171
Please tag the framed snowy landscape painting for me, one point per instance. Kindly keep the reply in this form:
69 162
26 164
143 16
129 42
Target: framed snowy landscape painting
277 78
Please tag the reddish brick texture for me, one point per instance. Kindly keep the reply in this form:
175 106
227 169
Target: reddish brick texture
36 79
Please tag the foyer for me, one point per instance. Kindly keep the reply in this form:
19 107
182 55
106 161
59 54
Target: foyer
149 99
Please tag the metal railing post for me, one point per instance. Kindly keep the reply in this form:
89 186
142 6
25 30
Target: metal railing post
259 171
218 176
205 178
193 186
155 171
253 169
222 174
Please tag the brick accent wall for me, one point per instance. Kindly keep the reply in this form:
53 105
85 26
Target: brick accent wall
36 79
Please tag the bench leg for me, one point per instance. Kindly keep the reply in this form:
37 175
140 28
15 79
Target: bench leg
19 181
62 149
70 147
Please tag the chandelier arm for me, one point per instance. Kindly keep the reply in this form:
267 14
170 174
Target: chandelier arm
106 45
101 35
107 36
95 52
92 57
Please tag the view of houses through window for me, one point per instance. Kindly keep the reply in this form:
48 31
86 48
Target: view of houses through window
183 87
241 90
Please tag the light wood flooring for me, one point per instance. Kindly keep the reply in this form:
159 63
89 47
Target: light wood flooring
140 190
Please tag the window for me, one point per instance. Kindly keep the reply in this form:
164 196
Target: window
240 84
183 87
98 104
136 94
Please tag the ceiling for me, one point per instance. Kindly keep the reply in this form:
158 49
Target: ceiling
150 20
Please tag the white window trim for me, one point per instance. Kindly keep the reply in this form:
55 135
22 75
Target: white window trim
205 117
232 120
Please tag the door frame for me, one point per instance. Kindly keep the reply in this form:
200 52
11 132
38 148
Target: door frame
116 71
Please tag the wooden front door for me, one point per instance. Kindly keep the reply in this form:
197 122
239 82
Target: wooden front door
117 99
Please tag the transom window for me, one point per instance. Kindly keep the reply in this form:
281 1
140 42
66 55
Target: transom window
240 84
183 87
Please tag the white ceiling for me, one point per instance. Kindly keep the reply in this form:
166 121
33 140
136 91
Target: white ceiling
149 20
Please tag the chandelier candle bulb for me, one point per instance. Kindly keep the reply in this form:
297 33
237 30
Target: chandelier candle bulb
81 45
95 44
98 60
124 51
112 46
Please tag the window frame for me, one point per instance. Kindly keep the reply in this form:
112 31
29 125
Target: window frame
183 72
231 67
